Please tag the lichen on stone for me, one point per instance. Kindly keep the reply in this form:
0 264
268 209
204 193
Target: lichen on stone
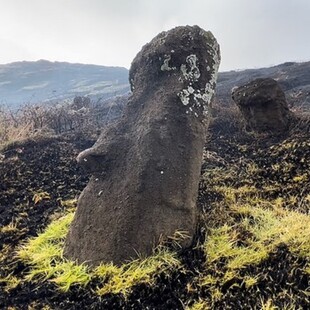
190 73
132 84
210 86
165 66
184 96
190 70
162 37
201 98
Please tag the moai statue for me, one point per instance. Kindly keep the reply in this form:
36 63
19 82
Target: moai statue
146 168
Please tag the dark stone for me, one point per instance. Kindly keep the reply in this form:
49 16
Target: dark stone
263 105
146 168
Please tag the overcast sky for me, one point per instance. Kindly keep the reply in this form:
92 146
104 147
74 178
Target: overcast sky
251 33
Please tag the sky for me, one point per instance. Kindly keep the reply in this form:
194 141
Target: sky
251 33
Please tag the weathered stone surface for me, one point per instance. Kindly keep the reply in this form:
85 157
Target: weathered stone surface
146 168
263 105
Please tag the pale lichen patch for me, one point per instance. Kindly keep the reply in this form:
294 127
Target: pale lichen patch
165 66
210 86
163 37
190 70
190 73
132 84
191 90
184 96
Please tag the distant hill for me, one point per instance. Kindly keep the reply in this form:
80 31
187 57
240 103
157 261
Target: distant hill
40 81
294 78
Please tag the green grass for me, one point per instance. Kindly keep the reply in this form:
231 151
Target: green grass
261 226
122 279
44 256
10 282
265 229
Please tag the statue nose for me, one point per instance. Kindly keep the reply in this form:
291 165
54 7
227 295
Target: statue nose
91 162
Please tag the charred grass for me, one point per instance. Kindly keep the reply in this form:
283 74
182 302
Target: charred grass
251 251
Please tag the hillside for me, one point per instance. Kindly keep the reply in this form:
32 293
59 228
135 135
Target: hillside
293 77
251 251
45 81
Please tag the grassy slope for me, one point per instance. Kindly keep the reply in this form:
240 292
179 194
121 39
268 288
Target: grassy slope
252 249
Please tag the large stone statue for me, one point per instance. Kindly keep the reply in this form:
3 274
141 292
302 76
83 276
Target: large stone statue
145 170
263 105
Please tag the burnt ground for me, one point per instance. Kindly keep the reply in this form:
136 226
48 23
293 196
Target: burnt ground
37 176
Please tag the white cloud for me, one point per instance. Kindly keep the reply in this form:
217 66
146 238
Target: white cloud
251 33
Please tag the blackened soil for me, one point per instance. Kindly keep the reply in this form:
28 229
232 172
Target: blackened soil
45 168
280 279
49 166
31 169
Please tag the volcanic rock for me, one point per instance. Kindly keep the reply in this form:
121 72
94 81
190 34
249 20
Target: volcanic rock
145 169
263 105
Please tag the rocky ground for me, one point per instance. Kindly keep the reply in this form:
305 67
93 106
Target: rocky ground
39 178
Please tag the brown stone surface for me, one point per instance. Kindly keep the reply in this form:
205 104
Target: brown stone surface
145 170
263 105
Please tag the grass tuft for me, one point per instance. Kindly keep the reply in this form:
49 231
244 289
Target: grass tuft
122 279
268 305
198 305
10 282
255 237
44 256
246 228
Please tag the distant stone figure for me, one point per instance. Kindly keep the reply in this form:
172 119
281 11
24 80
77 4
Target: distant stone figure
145 170
263 105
